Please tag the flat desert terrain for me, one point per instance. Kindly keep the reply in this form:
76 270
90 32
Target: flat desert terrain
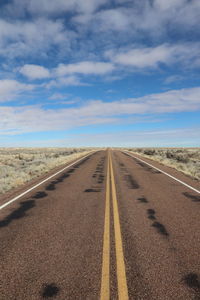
19 165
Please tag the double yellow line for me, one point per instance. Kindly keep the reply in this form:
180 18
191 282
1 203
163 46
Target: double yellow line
121 273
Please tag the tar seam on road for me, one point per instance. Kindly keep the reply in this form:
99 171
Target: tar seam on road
43 181
189 186
121 273
105 278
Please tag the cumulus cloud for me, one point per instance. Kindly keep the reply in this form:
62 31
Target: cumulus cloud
9 89
21 38
34 71
144 21
106 24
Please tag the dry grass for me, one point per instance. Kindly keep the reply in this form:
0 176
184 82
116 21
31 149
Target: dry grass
19 165
186 160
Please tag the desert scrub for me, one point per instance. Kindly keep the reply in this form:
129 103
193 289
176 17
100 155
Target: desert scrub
19 165
186 160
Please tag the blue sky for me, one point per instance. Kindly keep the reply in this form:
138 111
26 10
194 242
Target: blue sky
100 73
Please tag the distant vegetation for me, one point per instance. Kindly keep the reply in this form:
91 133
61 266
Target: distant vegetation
186 160
19 165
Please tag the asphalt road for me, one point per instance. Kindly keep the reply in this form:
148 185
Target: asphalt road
109 227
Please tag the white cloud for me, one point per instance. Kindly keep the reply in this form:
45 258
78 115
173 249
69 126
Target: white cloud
177 137
150 57
9 89
170 4
52 7
58 96
173 78
34 71
30 38
25 119
65 81
143 20
117 19
144 57
85 67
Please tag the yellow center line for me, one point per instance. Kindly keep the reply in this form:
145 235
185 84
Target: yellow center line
121 273
105 279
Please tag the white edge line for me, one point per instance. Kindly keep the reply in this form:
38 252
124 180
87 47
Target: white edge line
33 187
190 187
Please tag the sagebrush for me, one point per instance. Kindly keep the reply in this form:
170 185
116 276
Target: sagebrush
186 160
19 165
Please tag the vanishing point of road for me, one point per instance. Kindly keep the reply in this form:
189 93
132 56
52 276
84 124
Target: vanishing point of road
112 225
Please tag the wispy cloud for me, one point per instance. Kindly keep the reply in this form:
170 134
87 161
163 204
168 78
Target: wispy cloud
173 78
65 81
25 119
151 57
136 138
58 96
125 138
10 89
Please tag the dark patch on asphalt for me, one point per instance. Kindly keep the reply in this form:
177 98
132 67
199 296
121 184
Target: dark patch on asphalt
132 183
18 213
160 228
100 178
143 200
122 167
76 166
50 187
50 290
71 171
151 214
194 198
61 178
147 168
65 175
99 171
82 162
92 190
39 195
192 281
156 171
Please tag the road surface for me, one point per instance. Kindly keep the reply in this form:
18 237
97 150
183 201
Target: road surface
108 227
